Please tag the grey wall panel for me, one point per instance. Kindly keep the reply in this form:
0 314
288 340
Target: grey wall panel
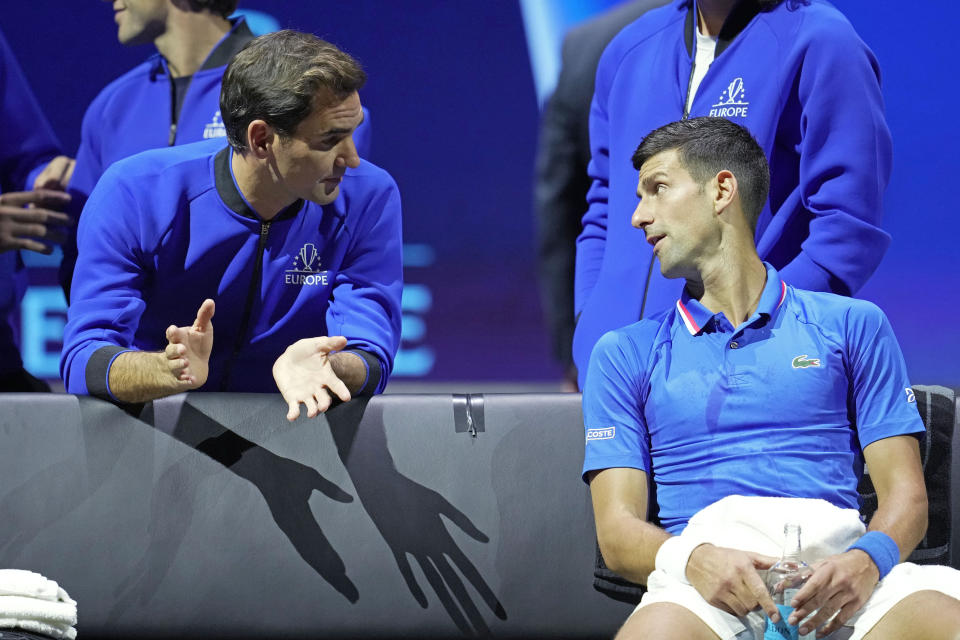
211 515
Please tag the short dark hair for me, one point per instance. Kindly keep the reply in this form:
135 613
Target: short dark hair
707 146
221 7
281 78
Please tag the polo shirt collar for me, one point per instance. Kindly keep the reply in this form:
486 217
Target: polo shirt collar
774 292
695 316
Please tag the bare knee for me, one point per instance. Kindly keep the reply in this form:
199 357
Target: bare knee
665 621
924 615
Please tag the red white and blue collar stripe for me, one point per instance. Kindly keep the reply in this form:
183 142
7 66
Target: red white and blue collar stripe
695 316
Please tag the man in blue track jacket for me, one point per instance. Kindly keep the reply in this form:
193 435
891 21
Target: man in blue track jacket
292 236
171 98
795 73
28 219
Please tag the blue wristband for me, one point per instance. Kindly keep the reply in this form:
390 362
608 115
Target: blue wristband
881 548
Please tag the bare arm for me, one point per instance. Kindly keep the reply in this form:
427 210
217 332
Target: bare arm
350 368
843 583
726 578
628 542
141 376
897 475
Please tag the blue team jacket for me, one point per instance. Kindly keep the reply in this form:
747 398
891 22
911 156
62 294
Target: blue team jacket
187 233
805 85
134 113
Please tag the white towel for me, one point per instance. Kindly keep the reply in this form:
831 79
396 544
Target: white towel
64 632
32 602
17 582
33 609
756 524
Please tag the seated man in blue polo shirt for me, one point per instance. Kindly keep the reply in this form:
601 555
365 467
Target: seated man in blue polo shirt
286 231
751 404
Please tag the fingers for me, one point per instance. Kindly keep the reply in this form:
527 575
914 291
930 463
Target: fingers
310 402
761 561
846 612
36 198
293 410
337 386
37 218
57 174
326 344
28 244
811 596
315 402
19 229
760 594
174 334
204 316
808 624
50 199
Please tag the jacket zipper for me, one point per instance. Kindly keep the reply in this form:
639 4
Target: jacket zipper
173 111
687 103
248 307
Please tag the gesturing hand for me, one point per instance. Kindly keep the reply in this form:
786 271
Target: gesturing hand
188 348
840 585
305 375
26 215
728 579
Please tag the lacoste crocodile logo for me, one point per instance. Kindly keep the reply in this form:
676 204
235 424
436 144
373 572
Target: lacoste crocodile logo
802 362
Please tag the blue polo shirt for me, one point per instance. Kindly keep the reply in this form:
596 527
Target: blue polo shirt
782 405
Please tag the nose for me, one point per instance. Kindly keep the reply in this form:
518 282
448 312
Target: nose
641 215
348 156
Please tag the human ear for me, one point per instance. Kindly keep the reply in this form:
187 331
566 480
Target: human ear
260 136
727 190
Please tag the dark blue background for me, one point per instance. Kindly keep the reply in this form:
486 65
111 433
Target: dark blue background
455 120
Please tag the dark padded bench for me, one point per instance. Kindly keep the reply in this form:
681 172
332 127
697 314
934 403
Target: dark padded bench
209 515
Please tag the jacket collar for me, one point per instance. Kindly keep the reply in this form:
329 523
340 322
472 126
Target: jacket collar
739 18
231 196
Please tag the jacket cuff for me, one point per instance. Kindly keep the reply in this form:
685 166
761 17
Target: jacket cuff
97 373
374 372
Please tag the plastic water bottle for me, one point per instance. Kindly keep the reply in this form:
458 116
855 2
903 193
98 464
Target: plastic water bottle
784 579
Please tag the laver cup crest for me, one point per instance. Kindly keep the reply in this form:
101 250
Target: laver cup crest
307 269
784 579
308 253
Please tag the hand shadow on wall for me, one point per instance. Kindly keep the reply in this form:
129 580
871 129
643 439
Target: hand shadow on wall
286 486
407 515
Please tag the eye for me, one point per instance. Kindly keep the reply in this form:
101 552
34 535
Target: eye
327 143
660 187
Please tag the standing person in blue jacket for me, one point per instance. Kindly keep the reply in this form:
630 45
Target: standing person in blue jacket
29 220
172 98
563 152
748 404
292 236
795 73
